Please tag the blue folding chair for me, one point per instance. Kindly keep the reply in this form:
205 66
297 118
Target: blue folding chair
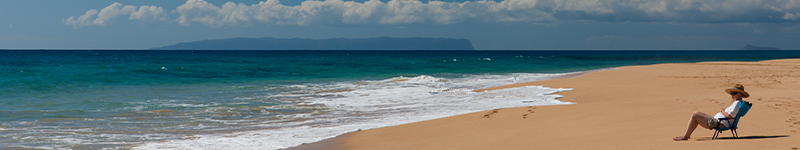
743 108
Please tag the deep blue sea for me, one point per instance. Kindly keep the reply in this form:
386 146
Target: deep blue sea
111 99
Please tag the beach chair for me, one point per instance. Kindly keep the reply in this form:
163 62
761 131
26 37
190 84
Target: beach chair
743 108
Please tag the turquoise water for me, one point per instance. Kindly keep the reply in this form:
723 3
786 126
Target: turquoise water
93 99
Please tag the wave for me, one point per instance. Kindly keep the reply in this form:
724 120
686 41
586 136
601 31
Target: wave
338 108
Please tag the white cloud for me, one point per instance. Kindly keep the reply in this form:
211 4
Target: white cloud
437 12
349 12
83 20
112 11
791 16
272 12
148 12
107 15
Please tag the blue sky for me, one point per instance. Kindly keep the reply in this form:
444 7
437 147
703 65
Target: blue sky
490 25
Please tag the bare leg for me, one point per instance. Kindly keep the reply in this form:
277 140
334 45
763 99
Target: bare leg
697 118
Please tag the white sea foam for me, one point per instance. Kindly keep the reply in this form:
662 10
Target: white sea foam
347 107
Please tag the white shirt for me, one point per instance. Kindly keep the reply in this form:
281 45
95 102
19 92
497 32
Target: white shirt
732 110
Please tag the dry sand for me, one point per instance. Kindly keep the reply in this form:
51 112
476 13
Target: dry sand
634 107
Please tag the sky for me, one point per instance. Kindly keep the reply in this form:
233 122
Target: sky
489 25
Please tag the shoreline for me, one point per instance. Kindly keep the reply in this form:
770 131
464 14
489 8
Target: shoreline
335 143
605 93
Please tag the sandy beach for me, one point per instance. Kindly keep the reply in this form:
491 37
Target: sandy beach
632 107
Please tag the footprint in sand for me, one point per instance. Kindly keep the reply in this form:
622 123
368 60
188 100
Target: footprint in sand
684 101
490 113
793 121
788 105
715 101
530 111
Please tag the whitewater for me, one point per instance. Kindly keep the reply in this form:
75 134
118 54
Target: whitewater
362 105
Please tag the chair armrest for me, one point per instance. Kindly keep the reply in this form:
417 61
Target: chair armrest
726 118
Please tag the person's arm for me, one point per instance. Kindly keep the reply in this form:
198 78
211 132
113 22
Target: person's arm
726 113
732 108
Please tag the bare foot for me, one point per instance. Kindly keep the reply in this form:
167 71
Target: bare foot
680 138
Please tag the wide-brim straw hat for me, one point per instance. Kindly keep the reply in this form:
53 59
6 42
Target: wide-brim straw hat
738 88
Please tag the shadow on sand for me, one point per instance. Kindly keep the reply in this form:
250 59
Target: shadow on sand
743 137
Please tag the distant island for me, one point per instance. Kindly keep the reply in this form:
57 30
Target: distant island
378 43
751 47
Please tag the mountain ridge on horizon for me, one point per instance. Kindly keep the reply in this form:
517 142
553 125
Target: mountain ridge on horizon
751 47
375 43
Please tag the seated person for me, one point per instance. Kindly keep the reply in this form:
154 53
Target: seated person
711 122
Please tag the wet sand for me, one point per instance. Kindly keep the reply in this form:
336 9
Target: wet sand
633 107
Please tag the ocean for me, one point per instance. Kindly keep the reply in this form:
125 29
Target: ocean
149 99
